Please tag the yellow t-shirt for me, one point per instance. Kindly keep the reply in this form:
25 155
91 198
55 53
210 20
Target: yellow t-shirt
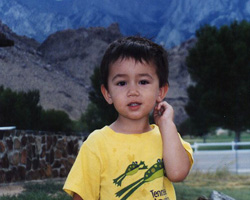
116 166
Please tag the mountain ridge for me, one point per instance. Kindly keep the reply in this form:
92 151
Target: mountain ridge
23 67
169 22
60 67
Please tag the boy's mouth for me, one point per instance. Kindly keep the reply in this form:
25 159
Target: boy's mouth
134 104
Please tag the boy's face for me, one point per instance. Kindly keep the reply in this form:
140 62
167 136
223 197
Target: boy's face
133 88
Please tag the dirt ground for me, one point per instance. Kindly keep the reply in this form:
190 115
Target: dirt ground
17 188
11 190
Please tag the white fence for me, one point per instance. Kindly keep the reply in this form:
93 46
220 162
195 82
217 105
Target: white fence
7 128
233 145
236 157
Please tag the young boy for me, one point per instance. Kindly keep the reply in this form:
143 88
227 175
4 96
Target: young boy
131 159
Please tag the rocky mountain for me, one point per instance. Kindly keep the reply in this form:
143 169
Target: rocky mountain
75 53
169 22
25 66
179 79
60 67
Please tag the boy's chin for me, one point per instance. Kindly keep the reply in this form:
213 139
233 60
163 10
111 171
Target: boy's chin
136 117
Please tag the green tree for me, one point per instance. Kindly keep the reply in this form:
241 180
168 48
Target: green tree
19 109
22 109
219 64
55 120
98 113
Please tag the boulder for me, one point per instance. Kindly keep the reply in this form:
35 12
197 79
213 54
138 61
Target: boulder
215 195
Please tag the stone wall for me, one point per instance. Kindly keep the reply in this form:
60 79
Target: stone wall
32 155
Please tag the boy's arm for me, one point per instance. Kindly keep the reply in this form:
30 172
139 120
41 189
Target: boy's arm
176 159
77 197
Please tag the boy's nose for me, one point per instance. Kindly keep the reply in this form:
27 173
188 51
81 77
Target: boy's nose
133 91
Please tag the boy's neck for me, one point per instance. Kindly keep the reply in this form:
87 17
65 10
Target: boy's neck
130 126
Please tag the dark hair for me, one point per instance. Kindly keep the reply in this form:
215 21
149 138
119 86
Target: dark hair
140 49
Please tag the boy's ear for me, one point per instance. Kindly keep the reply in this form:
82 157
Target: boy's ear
162 93
106 94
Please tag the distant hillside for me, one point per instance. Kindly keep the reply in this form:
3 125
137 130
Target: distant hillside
60 67
169 22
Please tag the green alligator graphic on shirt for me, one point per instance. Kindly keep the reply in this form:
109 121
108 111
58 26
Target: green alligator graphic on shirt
154 172
131 170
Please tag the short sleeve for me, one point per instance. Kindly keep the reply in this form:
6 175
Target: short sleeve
84 176
189 151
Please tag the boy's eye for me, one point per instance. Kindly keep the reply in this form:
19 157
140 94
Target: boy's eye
121 83
144 82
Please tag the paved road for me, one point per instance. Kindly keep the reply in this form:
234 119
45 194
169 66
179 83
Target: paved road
234 161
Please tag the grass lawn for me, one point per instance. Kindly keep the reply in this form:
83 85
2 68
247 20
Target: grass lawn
200 184
245 137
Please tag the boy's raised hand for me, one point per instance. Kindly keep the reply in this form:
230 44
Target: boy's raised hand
163 112
175 157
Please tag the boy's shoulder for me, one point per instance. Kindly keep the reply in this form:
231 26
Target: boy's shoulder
97 133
